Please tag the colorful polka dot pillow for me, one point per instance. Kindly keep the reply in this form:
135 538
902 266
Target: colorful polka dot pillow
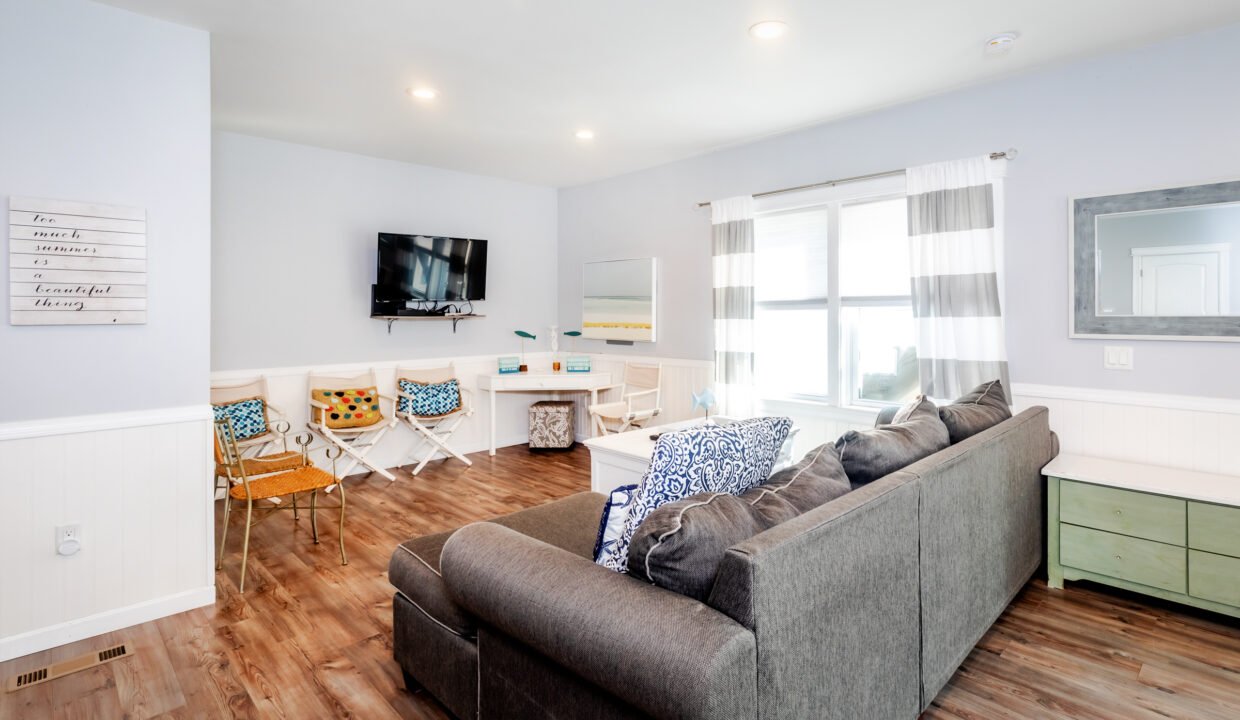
348 408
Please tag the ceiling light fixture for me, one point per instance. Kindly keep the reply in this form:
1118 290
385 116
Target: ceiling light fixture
584 134
768 30
1000 43
422 93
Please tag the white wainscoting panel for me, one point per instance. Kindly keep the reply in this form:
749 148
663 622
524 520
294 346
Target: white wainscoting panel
1194 433
141 490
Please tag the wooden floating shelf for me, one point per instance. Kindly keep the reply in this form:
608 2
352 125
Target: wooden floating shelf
454 317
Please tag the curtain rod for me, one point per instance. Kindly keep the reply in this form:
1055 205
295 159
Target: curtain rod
1008 154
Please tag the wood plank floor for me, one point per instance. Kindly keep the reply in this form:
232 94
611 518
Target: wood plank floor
312 639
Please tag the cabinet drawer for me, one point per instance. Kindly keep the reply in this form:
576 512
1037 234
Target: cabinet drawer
1152 517
1214 577
1140 561
1214 528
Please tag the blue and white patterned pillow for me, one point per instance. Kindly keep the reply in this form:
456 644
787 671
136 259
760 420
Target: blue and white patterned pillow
429 400
611 526
729 459
249 417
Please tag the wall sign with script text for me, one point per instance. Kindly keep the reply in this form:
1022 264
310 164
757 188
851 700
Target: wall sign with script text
74 263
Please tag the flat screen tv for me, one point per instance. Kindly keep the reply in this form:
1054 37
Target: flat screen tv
431 268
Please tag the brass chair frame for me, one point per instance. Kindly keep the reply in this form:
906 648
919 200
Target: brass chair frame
226 436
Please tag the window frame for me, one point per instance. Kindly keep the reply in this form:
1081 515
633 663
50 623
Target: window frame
833 198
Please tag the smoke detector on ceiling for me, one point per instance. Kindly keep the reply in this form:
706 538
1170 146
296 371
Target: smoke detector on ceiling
1001 43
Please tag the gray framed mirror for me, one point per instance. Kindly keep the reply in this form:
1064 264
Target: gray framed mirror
1157 265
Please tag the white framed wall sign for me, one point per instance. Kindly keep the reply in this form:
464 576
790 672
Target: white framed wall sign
73 263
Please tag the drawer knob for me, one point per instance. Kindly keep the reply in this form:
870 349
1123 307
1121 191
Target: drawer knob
1119 557
1119 512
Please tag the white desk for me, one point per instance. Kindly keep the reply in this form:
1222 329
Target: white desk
622 458
539 383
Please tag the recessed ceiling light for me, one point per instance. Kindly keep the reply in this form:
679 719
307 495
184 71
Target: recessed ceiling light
769 30
584 134
422 93
1000 43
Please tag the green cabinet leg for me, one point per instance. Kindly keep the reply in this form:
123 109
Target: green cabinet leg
1054 571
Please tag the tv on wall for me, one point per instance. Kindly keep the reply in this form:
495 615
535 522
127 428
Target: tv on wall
430 268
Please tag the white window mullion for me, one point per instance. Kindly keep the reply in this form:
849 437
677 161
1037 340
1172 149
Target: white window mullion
835 368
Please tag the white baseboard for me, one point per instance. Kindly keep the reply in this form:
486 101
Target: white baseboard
104 622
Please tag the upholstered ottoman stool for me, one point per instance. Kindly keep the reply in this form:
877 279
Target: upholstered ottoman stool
552 424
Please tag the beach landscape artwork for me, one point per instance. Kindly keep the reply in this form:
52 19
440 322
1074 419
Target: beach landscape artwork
619 302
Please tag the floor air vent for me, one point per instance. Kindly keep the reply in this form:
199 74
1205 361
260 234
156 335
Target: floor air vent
60 669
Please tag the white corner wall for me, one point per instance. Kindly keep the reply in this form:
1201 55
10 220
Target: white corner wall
293 259
107 426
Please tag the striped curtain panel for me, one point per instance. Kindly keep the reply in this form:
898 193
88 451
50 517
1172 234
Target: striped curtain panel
956 250
732 250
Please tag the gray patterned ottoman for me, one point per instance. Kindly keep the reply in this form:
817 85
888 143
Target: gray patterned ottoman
552 424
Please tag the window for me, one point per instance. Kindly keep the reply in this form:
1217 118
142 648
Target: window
832 302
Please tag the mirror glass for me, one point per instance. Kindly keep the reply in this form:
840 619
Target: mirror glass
1169 262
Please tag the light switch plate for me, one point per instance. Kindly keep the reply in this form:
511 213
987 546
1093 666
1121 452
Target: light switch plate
1117 357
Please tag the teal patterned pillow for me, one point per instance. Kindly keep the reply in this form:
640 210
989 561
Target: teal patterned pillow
249 417
428 399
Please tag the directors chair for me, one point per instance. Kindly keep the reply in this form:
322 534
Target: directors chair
347 412
433 404
636 400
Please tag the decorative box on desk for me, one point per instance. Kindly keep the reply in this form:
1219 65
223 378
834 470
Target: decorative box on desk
509 365
1173 534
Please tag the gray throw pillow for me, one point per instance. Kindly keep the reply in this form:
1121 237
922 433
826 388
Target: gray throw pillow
984 407
681 544
914 433
817 479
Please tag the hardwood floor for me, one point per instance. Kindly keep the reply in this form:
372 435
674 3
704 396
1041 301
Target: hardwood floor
312 639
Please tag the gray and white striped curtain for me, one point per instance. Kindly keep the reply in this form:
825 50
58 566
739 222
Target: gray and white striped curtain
732 250
955 229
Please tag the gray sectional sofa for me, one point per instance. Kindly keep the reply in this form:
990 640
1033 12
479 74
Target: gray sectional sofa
861 608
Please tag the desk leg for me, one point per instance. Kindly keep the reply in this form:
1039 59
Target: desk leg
491 392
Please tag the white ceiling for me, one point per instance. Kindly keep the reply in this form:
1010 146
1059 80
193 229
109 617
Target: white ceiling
658 80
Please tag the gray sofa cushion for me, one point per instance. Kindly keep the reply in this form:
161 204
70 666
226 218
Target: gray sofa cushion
983 408
568 524
817 479
915 432
679 547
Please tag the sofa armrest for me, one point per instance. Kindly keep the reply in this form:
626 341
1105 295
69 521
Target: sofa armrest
661 652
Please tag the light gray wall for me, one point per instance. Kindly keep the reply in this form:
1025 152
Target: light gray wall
1118 235
103 105
1163 115
293 256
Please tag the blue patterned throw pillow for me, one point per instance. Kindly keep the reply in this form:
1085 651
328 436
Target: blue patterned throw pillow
729 459
428 399
611 526
249 417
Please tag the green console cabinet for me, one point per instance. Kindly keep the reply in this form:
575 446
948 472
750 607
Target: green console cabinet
1173 534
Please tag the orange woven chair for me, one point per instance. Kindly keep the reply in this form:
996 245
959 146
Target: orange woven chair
305 478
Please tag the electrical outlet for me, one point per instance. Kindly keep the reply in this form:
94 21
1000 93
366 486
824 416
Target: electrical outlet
68 539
